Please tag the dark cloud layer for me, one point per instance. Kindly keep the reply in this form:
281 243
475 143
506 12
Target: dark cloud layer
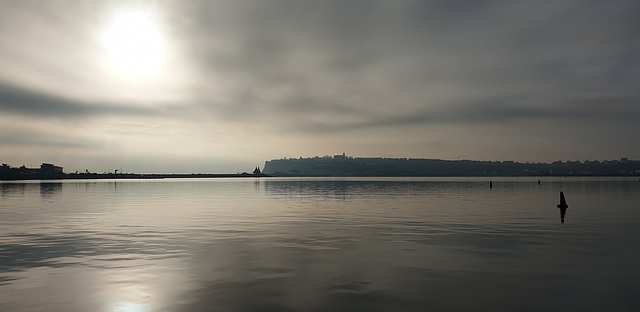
365 56
33 103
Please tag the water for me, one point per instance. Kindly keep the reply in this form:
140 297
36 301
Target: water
393 244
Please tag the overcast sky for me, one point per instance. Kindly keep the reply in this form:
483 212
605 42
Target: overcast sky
222 86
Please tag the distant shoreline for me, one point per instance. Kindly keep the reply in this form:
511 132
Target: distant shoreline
347 166
108 176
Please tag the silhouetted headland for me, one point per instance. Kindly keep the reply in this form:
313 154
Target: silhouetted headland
52 172
346 166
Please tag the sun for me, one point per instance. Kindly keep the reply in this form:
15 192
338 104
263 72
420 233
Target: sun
134 43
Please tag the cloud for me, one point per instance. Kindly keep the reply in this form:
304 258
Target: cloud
39 138
21 101
368 58
278 74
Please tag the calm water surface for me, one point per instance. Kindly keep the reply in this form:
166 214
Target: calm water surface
397 244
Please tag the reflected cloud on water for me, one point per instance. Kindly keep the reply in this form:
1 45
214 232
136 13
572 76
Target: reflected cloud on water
263 245
341 189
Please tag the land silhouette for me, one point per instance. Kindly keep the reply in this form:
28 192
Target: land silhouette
52 172
343 165
346 166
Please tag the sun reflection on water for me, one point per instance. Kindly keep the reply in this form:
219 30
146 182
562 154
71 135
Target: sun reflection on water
130 307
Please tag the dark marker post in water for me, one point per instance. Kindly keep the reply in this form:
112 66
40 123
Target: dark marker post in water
490 184
563 207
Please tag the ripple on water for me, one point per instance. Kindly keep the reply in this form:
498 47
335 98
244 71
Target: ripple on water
318 244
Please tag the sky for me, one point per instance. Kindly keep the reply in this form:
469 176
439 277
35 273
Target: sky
222 86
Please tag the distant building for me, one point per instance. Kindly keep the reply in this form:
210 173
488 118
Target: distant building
45 171
46 168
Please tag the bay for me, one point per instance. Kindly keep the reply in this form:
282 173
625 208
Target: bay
320 244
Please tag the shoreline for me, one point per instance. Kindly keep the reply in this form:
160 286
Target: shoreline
152 176
107 176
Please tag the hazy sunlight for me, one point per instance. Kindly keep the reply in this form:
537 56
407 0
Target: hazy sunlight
134 43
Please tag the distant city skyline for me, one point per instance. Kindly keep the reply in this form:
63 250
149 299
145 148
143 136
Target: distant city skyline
223 86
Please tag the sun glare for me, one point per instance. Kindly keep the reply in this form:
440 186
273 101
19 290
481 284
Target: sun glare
134 44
